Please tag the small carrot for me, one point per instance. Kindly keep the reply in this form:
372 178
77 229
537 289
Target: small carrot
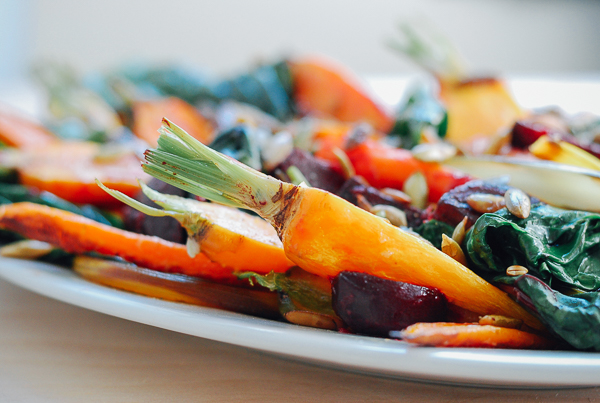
69 169
472 335
77 234
19 132
322 233
148 114
177 287
326 91
226 235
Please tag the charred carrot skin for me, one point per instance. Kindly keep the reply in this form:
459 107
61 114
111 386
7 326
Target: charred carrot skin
77 234
473 335
324 90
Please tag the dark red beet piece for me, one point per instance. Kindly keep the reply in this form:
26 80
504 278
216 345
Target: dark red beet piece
319 173
375 306
453 207
525 133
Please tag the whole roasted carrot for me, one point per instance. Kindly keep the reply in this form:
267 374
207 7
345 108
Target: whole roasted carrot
322 233
472 335
77 234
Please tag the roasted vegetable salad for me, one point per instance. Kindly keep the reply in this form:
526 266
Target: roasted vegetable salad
289 192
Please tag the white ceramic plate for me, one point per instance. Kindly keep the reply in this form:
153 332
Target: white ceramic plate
384 357
508 368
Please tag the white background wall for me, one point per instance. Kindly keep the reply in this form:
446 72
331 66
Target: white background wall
511 36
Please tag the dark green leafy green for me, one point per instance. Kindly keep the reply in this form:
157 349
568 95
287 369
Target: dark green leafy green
574 318
432 230
302 289
268 87
240 143
553 244
421 111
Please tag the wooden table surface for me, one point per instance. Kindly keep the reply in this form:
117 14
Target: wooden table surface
54 352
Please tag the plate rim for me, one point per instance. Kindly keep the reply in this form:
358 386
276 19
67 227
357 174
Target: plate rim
363 354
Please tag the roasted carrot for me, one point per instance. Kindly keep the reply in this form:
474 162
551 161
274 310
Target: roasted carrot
69 169
77 234
147 115
226 235
384 166
322 233
177 287
472 335
324 90
19 132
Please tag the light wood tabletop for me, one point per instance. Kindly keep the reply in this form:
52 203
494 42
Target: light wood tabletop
54 352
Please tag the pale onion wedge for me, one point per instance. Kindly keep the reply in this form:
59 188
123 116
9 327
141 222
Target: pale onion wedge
557 184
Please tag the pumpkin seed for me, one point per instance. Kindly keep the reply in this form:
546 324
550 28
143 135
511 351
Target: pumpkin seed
192 246
459 231
416 188
453 249
485 202
516 270
517 202
363 203
397 195
395 216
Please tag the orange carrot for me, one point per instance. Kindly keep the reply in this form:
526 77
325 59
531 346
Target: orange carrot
326 91
147 115
69 169
19 132
322 233
77 234
176 287
472 335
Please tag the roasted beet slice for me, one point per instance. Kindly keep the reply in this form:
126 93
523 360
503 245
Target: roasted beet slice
525 133
375 306
164 227
357 186
319 173
453 207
